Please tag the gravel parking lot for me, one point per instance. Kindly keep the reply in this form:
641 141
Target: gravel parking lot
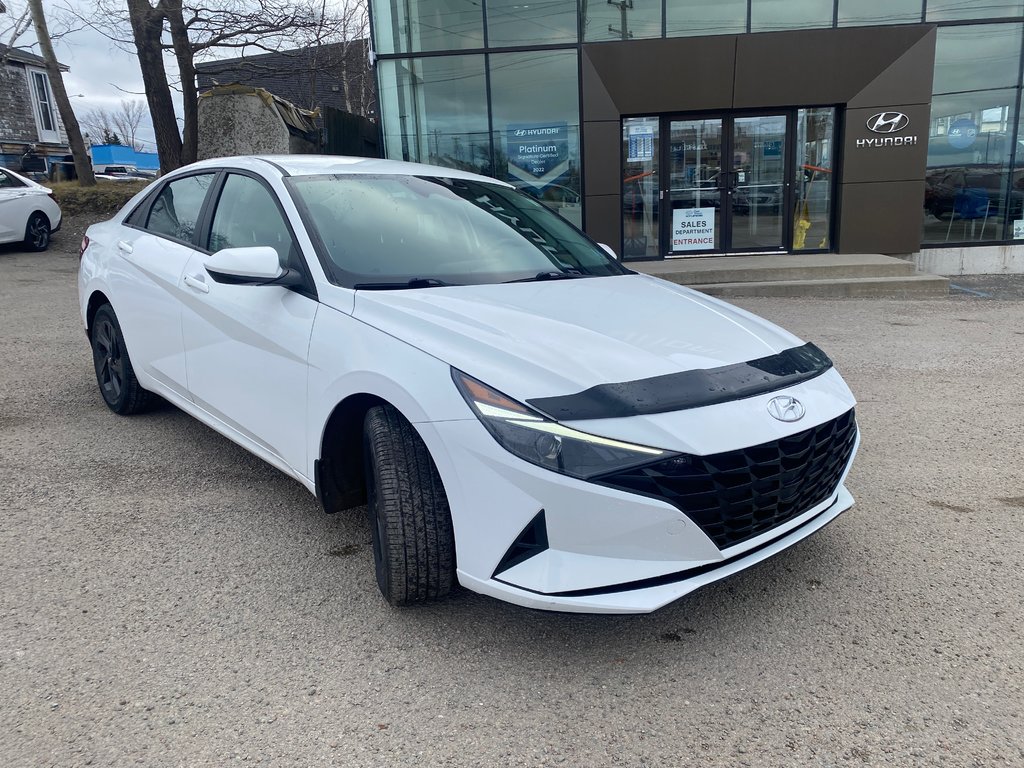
168 599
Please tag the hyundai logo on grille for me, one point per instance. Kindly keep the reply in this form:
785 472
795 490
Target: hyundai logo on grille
786 408
888 122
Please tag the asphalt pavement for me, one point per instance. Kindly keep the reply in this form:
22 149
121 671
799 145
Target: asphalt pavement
168 600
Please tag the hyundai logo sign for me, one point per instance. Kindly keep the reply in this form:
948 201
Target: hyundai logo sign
786 408
888 122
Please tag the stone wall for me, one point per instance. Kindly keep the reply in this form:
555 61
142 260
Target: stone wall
239 124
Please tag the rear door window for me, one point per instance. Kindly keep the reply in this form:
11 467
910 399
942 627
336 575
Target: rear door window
175 211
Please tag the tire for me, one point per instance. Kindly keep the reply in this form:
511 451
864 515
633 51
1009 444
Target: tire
115 375
411 524
37 232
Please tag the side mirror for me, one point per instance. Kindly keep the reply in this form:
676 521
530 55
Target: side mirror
256 265
608 249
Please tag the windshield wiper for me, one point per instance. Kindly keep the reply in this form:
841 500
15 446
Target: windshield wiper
416 282
549 275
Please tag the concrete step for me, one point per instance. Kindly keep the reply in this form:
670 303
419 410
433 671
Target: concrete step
906 286
763 268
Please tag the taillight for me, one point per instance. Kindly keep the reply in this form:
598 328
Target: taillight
83 246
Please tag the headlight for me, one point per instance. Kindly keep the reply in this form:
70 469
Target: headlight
546 443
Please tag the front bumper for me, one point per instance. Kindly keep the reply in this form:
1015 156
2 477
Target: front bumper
606 550
651 594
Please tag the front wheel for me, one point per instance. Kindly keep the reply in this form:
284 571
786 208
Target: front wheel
37 232
411 525
114 372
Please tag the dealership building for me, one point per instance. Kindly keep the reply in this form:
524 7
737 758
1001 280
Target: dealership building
670 128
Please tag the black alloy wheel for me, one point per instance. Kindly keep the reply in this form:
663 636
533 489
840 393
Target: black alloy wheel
114 373
37 232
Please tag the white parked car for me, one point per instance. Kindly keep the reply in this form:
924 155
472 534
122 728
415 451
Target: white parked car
28 212
519 412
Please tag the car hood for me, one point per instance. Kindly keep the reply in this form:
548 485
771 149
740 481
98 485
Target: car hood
556 337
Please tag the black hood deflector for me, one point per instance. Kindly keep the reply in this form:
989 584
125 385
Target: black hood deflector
688 389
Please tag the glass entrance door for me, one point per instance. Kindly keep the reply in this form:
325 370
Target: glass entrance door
695 186
733 183
727 184
757 183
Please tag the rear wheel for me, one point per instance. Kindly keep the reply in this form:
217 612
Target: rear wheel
413 541
37 232
114 372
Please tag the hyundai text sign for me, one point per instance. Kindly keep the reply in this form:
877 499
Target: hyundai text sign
887 123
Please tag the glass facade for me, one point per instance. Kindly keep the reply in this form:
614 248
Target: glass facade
705 17
815 147
854 13
950 10
970 194
621 19
776 15
435 111
492 68
536 131
533 22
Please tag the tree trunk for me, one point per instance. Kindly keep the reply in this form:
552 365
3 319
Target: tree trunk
185 55
83 166
147 27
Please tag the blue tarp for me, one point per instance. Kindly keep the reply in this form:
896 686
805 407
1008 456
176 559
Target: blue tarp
115 154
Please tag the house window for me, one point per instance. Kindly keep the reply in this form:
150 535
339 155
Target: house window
42 106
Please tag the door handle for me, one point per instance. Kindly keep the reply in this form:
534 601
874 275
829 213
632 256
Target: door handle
197 283
125 246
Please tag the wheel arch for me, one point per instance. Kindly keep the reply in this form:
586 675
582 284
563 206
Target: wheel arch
96 300
42 213
338 472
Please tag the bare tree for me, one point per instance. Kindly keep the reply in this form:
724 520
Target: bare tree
196 30
126 120
147 24
17 23
83 167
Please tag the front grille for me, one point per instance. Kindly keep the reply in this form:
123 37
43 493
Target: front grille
737 495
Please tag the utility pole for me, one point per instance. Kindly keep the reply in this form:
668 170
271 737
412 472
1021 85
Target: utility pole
83 166
623 6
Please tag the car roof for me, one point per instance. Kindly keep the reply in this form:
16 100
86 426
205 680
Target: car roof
311 165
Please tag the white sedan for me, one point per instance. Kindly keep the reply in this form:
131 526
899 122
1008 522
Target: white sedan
28 212
519 412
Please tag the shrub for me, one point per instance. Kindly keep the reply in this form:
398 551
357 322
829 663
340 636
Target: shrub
104 199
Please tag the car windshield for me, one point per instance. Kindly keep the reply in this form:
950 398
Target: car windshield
414 231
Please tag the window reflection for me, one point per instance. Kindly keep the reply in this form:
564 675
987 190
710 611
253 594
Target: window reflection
621 19
945 10
435 111
864 12
640 187
530 22
771 15
411 26
976 57
968 191
536 130
705 17
814 154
